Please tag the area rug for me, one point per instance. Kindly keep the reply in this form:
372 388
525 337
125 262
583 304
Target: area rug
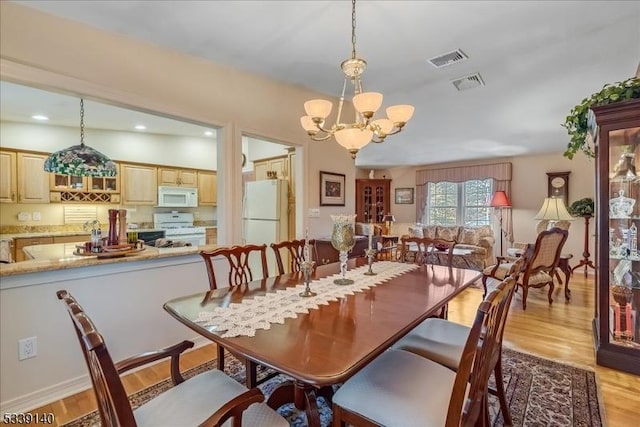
540 392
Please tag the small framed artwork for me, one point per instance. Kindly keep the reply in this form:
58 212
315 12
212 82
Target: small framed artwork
332 189
404 196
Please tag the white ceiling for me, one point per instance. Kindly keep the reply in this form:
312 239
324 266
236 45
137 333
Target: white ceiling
537 58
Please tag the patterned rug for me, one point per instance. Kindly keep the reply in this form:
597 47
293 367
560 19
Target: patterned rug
540 392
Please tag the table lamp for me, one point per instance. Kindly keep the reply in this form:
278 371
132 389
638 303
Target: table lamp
553 209
501 201
388 219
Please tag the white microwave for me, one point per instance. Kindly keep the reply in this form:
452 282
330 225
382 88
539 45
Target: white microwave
177 197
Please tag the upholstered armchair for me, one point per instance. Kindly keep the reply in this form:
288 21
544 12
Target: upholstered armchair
519 247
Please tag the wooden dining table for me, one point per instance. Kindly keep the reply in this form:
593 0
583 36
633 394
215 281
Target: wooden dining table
327 345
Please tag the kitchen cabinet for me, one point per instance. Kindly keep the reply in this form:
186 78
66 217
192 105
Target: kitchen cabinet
207 188
615 129
33 181
84 189
275 166
58 182
72 239
8 177
177 177
21 242
372 199
139 184
211 235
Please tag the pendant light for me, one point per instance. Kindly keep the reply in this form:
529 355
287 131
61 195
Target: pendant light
80 160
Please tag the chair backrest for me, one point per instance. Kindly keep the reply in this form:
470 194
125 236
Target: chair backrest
295 251
547 224
427 249
481 353
546 251
113 403
239 266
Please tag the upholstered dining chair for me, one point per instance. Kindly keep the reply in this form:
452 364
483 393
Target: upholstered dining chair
425 250
208 399
443 341
239 273
541 261
294 249
400 388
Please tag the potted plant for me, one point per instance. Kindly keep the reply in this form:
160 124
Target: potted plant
577 122
583 207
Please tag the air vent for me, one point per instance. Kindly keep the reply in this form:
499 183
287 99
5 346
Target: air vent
448 58
468 82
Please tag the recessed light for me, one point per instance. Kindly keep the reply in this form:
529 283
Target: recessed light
141 127
208 133
39 117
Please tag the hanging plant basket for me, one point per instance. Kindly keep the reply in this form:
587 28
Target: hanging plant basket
577 123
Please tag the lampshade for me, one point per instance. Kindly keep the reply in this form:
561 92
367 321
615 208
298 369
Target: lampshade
500 200
400 113
80 160
318 108
553 208
353 138
389 218
367 103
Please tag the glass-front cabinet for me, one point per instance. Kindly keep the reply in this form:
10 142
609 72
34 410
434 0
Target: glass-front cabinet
615 129
372 199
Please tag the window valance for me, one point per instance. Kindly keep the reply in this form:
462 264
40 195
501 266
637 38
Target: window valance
497 171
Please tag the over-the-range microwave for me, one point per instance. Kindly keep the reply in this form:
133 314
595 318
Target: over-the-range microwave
177 197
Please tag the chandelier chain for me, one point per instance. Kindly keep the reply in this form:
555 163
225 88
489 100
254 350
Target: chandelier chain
353 29
81 121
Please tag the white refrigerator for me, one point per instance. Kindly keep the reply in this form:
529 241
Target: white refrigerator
265 216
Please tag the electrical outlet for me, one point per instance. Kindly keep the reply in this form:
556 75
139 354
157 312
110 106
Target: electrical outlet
314 213
27 348
24 216
36 216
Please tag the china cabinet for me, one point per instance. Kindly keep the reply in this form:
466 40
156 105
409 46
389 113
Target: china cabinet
615 129
372 199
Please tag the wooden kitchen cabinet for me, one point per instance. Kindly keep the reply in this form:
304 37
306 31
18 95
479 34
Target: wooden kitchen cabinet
33 181
58 182
72 239
139 184
211 235
20 243
279 165
207 188
8 177
177 177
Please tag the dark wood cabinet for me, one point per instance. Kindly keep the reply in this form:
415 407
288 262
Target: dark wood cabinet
327 253
615 129
373 199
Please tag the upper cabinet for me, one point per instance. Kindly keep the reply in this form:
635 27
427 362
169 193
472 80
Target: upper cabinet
84 189
177 177
271 168
207 188
8 177
33 181
139 184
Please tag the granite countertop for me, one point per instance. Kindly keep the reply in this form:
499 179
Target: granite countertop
28 235
59 256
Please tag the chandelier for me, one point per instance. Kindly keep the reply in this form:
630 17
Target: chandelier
80 160
364 129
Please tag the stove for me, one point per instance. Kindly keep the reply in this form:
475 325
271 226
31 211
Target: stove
179 227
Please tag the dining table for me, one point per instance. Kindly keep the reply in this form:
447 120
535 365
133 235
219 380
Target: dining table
321 341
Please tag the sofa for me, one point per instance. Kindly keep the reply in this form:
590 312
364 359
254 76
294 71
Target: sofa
479 239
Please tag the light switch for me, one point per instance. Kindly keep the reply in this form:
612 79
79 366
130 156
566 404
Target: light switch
314 213
24 216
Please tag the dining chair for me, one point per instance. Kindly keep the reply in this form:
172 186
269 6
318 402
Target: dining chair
541 261
207 399
294 249
400 388
443 342
240 272
426 250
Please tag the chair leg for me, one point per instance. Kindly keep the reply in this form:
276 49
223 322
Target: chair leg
525 291
551 288
504 407
337 416
484 286
220 358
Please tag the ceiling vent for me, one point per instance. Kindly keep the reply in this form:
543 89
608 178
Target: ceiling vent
468 82
448 58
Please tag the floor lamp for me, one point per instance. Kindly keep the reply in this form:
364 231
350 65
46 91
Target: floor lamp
500 200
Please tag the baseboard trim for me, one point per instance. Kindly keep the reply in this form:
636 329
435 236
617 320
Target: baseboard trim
67 388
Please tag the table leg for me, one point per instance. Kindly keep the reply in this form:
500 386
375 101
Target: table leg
303 397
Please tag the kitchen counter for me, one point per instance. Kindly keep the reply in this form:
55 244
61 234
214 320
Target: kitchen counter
59 256
31 234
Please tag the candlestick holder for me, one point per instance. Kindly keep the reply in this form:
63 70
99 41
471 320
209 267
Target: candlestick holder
370 254
306 267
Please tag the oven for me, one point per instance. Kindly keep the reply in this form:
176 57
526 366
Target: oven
179 229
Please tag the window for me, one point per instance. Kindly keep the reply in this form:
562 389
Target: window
458 203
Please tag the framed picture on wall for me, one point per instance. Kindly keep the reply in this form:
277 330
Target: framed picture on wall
332 189
404 196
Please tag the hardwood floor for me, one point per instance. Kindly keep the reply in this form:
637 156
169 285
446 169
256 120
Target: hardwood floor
561 332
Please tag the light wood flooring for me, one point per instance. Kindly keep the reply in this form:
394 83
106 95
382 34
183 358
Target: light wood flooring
560 332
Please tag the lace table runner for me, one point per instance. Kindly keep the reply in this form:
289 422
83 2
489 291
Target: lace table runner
238 319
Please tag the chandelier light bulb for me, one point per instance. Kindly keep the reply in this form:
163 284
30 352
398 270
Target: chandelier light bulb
367 103
400 113
384 126
353 138
318 108
308 125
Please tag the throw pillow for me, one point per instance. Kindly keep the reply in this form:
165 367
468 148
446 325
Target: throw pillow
470 236
448 233
416 232
429 231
